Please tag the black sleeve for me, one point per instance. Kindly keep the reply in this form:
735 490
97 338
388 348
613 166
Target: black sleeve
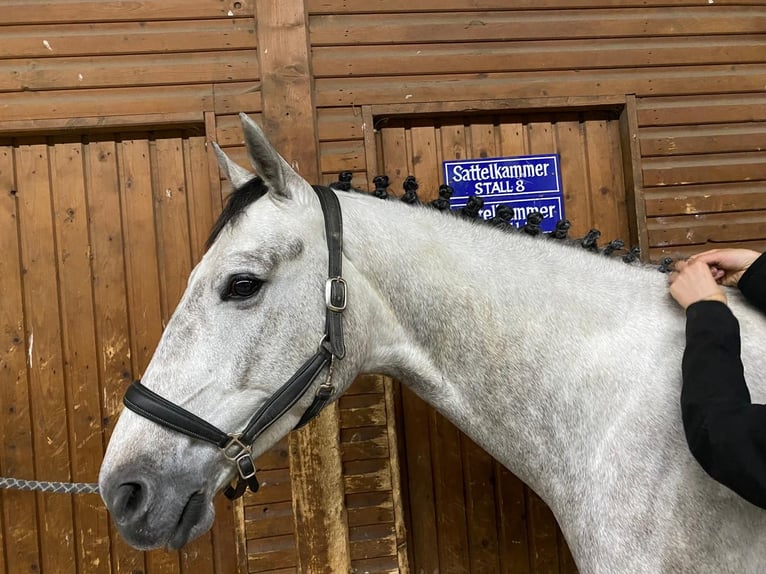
725 431
753 283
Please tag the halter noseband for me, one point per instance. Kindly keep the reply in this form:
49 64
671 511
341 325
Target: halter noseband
237 447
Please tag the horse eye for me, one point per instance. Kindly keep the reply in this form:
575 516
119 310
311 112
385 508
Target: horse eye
242 287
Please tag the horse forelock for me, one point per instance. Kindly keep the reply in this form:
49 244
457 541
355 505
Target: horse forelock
240 199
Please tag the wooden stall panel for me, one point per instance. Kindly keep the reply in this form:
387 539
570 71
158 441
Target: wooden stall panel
466 513
704 172
377 53
97 231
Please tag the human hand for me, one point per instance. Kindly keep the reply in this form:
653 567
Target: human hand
727 265
693 281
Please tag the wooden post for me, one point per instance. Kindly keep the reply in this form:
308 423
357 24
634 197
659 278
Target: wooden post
289 119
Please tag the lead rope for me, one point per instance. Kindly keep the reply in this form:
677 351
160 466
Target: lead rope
7 483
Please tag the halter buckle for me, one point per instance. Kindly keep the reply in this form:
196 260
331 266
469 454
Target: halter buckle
330 289
235 443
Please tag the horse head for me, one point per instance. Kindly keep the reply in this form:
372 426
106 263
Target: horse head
254 313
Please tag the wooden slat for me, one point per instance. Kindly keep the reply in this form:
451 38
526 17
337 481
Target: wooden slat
451 519
236 97
710 108
79 348
369 508
384 565
704 168
100 124
425 161
19 509
372 541
44 12
719 197
170 194
703 138
89 72
429 6
266 520
512 520
366 476
275 486
535 25
707 228
342 155
58 40
606 185
105 102
423 529
47 389
362 411
451 58
455 87
270 553
144 300
656 254
364 443
481 516
338 123
542 535
570 139
110 303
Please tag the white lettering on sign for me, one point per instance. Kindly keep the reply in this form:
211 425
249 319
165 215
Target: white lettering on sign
476 172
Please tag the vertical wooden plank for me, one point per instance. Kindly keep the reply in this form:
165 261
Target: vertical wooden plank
634 181
451 515
370 148
478 475
620 217
453 140
144 305
204 204
394 441
513 138
420 478
478 466
79 347
395 157
172 219
425 166
289 118
606 195
542 536
540 135
482 138
171 197
512 513
110 302
19 509
569 140
202 210
47 391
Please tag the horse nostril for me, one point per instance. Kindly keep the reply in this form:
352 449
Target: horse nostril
129 500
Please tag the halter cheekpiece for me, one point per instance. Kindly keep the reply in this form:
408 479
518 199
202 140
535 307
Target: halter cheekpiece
237 447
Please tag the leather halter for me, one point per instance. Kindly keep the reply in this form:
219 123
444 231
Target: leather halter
237 447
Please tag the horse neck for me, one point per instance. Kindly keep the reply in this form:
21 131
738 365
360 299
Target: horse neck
499 331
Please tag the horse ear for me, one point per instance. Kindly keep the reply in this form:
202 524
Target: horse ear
281 179
237 175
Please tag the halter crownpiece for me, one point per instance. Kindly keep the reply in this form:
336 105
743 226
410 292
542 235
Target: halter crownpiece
237 447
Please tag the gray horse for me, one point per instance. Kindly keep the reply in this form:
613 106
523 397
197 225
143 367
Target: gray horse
564 365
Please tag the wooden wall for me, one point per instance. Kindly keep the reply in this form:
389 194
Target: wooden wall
321 75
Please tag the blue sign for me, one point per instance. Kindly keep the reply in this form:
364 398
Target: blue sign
525 183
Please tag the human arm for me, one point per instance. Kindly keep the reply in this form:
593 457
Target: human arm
726 433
